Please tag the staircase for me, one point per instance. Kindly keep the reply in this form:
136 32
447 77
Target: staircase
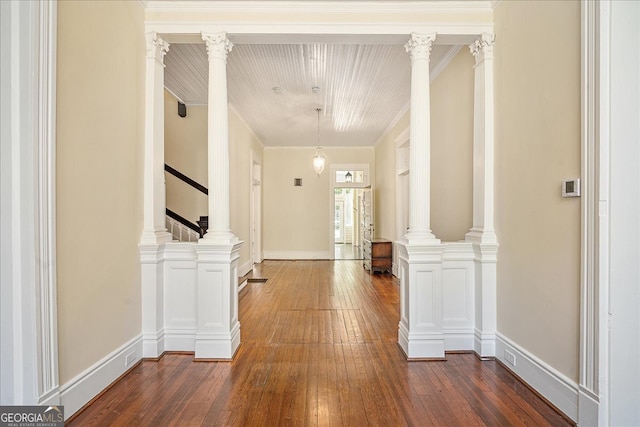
182 229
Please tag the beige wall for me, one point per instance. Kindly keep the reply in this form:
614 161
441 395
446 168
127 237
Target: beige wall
451 156
297 218
452 149
537 59
185 149
241 141
385 184
100 94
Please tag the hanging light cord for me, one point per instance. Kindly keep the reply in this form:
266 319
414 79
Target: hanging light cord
318 110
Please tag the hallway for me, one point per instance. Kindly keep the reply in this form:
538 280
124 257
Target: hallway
319 347
346 251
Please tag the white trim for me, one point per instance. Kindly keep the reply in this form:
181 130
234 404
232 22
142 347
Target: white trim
255 210
561 391
29 365
602 184
82 388
458 339
591 302
317 6
47 313
176 339
244 269
242 285
333 168
297 255
177 97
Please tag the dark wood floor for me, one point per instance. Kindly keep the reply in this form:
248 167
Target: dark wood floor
319 347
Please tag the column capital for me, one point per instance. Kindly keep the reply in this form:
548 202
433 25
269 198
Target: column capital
156 47
419 46
218 45
482 48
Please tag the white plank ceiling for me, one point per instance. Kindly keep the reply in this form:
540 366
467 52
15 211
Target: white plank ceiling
363 88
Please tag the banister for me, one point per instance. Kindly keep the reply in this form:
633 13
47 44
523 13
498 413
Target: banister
186 179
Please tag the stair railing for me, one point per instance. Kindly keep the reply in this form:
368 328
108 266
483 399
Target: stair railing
181 228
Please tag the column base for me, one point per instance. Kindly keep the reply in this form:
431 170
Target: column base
424 346
212 346
420 333
153 345
155 237
421 238
485 248
484 344
481 236
219 238
218 328
152 297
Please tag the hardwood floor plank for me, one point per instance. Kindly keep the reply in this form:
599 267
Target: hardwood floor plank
319 348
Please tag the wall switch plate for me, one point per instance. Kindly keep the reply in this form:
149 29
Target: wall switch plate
571 188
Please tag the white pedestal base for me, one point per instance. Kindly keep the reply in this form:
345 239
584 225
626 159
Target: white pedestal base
218 328
152 281
420 332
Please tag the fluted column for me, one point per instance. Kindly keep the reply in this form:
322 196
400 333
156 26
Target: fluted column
420 333
483 142
218 327
218 46
482 234
154 230
419 47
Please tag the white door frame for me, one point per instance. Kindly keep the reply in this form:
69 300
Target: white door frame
256 255
333 168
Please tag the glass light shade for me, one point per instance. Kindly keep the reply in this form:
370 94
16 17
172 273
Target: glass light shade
318 161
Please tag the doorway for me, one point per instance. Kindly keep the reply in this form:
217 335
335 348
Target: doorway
256 209
346 211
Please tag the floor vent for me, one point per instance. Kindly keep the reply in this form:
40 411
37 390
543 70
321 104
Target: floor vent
256 280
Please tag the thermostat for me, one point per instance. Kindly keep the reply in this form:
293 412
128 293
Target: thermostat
571 188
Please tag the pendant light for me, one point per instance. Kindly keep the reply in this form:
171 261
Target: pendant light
318 159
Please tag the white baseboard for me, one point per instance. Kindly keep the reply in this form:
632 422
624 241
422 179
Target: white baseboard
588 408
242 285
52 398
551 384
81 389
293 255
180 339
458 339
245 268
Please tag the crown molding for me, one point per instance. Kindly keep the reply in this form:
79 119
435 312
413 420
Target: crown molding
318 6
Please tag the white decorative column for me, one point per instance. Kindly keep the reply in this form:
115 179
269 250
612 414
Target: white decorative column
218 46
154 233
482 234
419 47
154 230
420 257
218 327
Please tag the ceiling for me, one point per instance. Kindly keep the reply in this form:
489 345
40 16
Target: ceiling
362 88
